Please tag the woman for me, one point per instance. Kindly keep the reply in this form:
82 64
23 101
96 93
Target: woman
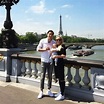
59 68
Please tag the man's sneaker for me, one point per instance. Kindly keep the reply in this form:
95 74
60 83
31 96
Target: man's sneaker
50 93
40 95
57 94
60 97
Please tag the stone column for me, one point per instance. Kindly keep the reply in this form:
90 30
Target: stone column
6 63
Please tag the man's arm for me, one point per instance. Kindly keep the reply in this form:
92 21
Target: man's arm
43 49
40 47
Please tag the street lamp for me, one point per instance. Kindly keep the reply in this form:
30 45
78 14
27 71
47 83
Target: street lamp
8 35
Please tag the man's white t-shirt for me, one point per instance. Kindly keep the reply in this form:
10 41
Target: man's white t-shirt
45 56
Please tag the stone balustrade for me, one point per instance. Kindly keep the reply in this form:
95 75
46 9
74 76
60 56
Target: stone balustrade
84 78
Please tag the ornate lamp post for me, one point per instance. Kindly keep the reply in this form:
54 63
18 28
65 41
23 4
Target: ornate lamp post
9 39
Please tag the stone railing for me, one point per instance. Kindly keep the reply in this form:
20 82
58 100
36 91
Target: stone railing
84 78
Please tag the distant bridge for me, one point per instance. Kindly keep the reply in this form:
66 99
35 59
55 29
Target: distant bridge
86 45
31 47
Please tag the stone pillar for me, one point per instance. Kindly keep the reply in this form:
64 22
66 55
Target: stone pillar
6 63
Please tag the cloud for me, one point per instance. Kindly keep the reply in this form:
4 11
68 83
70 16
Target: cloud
51 11
67 16
23 27
30 26
40 8
67 6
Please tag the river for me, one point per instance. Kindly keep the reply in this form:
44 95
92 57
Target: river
98 53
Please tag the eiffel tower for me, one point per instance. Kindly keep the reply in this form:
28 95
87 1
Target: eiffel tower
60 29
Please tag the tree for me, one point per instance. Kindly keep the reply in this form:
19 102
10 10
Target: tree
30 37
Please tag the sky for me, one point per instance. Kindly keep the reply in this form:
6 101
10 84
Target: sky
83 18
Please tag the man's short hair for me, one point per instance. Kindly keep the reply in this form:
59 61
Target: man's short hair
50 31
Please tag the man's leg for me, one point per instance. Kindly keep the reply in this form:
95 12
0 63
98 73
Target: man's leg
50 70
43 71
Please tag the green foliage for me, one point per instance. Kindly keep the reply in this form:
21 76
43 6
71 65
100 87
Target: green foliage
31 37
69 39
100 40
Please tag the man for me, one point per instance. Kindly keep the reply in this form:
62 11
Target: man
44 47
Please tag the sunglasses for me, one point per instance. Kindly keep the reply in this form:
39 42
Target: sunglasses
58 39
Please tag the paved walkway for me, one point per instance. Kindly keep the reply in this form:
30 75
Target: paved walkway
16 93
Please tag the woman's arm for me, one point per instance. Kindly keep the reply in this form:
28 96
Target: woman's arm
59 56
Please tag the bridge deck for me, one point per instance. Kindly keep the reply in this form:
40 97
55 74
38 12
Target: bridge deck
16 93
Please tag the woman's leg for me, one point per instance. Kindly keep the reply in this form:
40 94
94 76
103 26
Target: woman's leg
62 86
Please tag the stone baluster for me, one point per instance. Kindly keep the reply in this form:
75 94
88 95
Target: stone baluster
39 74
29 69
68 76
34 70
39 69
77 77
23 69
86 79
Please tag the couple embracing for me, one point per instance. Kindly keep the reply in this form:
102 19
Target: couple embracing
52 53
